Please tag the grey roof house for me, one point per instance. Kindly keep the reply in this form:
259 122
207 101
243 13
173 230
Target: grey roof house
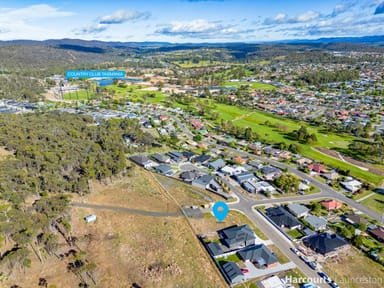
189 176
318 223
164 169
299 210
283 218
203 181
201 158
217 164
270 172
244 176
237 236
233 273
161 158
142 160
258 254
325 243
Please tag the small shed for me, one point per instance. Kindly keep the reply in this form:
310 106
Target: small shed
90 218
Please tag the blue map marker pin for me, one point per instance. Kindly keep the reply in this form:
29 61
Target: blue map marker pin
220 210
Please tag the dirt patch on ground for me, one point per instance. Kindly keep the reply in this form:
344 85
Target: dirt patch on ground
352 161
354 270
128 248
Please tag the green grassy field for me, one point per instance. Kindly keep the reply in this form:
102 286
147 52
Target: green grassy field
272 134
201 63
375 203
80 95
253 85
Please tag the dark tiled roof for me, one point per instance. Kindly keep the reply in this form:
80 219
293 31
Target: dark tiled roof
232 270
256 252
237 234
324 243
282 217
215 248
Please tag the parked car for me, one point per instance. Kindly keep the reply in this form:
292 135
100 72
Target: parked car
334 284
294 250
325 277
312 264
305 259
244 270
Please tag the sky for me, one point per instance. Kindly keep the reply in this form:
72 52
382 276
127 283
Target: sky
192 21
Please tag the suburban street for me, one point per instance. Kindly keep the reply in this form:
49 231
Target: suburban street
247 205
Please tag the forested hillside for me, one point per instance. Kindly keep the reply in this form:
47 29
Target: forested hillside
53 154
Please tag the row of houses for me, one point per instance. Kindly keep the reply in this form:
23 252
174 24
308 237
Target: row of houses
242 241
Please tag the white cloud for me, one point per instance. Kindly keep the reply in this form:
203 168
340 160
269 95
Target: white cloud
91 29
203 29
283 18
17 23
194 26
122 16
39 11
307 16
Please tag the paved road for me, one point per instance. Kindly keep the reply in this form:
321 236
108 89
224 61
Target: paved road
326 191
127 210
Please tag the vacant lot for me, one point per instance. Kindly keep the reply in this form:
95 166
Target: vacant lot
354 271
375 203
129 248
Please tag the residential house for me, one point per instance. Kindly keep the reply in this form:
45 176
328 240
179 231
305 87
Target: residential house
302 162
215 249
255 149
232 170
272 282
189 176
317 168
203 181
237 236
331 204
331 176
188 155
298 210
325 243
233 273
270 151
164 169
217 164
239 160
176 156
249 186
244 176
355 219
161 158
352 185
285 155
143 161
318 223
255 164
201 158
196 123
282 218
378 233
264 187
270 172
259 255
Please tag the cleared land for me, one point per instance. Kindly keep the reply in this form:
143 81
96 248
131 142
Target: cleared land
129 248
375 203
354 270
